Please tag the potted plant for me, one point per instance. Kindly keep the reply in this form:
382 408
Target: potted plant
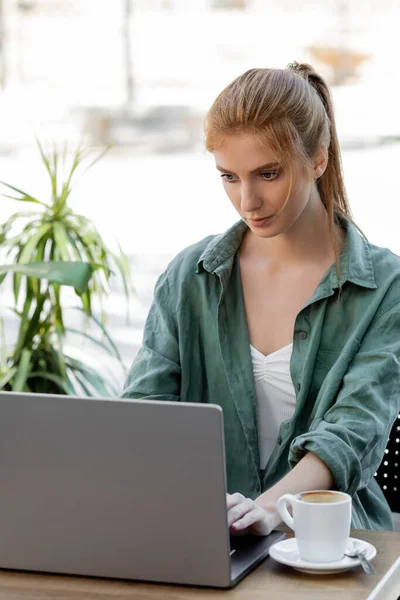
47 251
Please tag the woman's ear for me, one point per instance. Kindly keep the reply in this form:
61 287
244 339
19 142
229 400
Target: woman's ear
320 161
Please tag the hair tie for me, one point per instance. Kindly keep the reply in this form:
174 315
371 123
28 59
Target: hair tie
296 67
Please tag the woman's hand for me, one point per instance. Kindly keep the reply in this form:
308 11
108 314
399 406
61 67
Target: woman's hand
246 516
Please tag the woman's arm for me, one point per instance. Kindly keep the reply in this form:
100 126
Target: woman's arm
245 516
311 473
156 373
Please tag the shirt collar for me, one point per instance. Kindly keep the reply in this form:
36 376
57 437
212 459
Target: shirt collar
222 249
355 259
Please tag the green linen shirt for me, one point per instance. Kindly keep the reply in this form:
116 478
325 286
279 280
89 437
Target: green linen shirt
344 365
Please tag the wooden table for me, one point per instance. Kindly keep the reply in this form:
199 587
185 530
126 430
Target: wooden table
270 581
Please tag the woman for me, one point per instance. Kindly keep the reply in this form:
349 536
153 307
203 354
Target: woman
290 320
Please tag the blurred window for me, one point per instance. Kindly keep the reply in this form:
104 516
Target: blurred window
236 4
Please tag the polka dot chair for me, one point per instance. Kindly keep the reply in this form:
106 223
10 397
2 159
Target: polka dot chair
388 474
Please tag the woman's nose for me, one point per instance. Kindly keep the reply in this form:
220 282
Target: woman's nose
249 201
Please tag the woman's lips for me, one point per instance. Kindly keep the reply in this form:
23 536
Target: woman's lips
259 222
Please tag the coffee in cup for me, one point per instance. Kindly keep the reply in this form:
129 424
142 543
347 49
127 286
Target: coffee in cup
320 497
321 523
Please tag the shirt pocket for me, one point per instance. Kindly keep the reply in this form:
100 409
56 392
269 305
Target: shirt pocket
329 370
327 359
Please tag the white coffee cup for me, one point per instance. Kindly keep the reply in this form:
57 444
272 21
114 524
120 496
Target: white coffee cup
321 523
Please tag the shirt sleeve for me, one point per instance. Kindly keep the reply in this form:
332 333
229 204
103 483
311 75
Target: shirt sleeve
155 372
352 436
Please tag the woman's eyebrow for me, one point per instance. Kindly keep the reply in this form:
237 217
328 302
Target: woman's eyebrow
273 165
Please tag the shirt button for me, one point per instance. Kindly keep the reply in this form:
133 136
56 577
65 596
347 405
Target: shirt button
302 335
298 387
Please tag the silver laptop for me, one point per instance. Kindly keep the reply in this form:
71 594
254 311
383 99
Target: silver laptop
118 488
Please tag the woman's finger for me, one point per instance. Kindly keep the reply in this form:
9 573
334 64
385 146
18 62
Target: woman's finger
233 499
249 518
238 511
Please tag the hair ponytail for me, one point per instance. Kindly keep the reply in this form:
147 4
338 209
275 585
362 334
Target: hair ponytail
331 184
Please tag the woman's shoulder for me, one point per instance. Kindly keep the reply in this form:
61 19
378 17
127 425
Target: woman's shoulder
385 262
386 274
185 263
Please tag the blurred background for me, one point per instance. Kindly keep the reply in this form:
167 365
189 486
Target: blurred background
140 75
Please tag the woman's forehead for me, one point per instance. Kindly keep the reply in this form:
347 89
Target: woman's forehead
245 152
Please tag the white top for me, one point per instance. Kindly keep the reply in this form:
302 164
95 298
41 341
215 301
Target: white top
276 397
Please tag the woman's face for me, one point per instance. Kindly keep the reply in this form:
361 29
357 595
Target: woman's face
258 185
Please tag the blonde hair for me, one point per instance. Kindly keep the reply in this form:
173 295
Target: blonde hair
291 111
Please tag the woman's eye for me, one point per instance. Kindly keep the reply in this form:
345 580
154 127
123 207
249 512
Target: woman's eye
228 177
269 175
266 176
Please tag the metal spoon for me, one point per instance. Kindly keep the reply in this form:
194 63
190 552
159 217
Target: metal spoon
353 552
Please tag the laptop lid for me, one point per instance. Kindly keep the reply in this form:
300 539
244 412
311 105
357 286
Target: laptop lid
113 488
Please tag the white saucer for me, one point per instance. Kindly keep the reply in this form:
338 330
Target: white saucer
286 552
